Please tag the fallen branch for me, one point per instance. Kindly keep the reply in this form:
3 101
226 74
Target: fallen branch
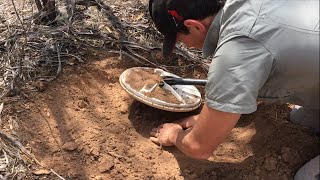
18 16
18 145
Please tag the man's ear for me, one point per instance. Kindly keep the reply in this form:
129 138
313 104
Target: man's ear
190 23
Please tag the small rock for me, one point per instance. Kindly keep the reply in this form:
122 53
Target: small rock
187 171
270 164
74 174
257 171
98 177
70 146
95 151
213 174
194 176
106 164
290 156
82 104
130 161
40 86
41 172
86 150
284 177
251 177
50 97
54 149
149 156
154 171
123 109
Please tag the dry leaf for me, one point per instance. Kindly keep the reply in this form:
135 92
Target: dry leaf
41 172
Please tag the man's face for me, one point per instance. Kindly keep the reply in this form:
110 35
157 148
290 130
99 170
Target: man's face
194 39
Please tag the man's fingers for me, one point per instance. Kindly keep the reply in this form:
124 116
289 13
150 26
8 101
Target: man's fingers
183 124
154 133
154 140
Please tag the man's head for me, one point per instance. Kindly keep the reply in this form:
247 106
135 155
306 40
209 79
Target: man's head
183 20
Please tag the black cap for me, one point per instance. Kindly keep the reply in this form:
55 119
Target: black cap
167 20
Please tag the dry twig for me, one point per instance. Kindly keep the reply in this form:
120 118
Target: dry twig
12 141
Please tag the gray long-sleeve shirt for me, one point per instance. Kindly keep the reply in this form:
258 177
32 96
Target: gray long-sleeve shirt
263 49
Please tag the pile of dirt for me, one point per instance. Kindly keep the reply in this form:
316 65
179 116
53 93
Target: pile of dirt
85 126
140 77
147 79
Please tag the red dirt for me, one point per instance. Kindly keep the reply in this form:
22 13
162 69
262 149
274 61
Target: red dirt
147 78
85 126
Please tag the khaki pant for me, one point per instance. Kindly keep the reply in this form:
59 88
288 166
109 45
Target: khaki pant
310 171
306 117
309 118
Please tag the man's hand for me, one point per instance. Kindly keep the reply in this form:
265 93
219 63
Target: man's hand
165 134
203 133
188 122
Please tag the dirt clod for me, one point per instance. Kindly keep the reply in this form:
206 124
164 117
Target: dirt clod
98 178
70 146
95 151
147 78
290 156
83 102
123 109
270 163
194 176
40 85
106 164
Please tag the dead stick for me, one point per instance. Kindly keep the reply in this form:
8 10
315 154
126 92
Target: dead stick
57 174
15 9
59 59
50 129
71 7
17 144
39 6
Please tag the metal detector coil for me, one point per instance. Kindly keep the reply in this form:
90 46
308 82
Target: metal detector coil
188 96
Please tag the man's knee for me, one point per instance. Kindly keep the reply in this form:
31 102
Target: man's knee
305 116
310 171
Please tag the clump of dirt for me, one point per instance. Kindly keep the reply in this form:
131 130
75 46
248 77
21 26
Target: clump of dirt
146 79
138 78
163 94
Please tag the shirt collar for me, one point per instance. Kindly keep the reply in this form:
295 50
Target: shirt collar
211 41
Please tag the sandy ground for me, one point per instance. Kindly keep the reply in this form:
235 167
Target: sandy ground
85 126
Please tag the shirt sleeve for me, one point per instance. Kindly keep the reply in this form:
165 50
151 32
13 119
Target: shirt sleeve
239 68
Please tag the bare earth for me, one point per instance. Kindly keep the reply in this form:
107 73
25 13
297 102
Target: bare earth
85 126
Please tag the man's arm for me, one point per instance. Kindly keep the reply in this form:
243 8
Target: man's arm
211 128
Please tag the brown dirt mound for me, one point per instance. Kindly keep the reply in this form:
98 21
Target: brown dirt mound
147 79
138 78
85 126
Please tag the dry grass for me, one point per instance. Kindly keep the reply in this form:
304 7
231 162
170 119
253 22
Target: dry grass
38 52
